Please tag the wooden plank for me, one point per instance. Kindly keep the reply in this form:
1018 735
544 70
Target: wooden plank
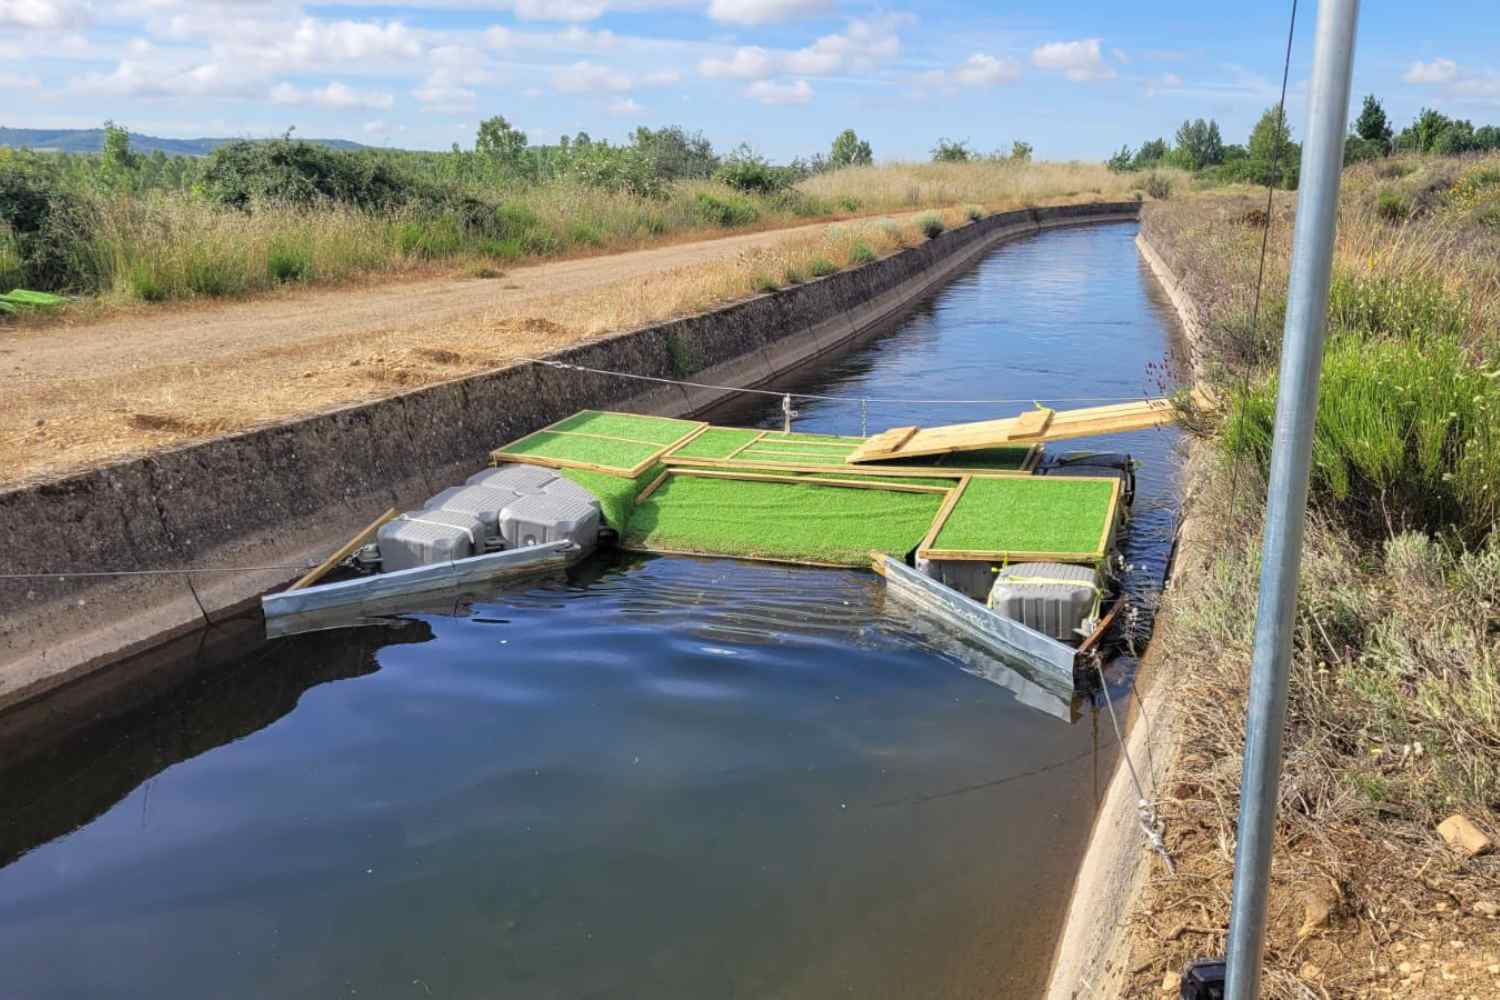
927 471
344 551
655 484
759 477
730 456
1026 428
943 512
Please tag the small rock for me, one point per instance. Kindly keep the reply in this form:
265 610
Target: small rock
1464 836
1487 908
307 374
1171 982
1317 907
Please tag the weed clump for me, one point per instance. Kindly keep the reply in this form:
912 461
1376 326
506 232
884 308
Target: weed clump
931 225
1393 206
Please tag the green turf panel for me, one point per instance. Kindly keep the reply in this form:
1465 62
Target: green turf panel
813 438
616 494
785 456
1028 514
839 447
856 474
656 430
735 517
716 442
571 447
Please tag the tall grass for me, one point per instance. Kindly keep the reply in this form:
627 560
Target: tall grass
163 245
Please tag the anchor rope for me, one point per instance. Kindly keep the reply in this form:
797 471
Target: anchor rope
832 399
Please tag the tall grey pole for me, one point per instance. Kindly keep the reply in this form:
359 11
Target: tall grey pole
1286 501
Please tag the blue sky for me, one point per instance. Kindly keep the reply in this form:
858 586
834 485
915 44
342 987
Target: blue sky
1075 79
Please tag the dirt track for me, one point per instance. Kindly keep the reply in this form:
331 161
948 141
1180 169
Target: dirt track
83 394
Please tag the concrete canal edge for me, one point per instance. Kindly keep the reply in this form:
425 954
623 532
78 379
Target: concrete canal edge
284 494
1090 955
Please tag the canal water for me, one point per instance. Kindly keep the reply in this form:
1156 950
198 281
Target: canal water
663 778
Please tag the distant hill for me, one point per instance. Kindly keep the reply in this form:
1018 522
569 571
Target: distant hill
91 140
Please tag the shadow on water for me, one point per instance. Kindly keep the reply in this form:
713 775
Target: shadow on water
664 777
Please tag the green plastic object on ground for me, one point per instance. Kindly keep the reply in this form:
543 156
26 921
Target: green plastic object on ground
1043 515
20 299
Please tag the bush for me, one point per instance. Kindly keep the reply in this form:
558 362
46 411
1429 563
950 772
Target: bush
799 203
931 225
725 210
286 171
47 238
1393 206
1407 436
848 203
749 173
822 267
974 213
1158 186
429 239
860 253
287 261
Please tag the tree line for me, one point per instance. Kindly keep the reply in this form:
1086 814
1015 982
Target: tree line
1270 156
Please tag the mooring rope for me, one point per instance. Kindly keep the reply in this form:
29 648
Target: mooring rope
865 400
155 572
1145 806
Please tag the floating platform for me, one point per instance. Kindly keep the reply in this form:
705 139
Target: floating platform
942 514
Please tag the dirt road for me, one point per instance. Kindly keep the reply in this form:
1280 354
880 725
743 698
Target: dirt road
79 395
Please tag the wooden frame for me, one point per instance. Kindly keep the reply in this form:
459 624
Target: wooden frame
1112 513
1028 466
631 472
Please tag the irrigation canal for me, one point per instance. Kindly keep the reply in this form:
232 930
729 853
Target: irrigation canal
659 777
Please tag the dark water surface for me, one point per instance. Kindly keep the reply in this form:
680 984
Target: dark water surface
655 778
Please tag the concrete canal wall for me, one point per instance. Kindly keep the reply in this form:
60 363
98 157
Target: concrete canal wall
1089 960
285 494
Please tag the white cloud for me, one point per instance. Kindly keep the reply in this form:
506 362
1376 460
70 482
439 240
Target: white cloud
446 91
981 70
1171 80
625 106
747 63
1437 71
46 15
860 47
382 128
764 11
661 78
1120 56
589 78
1080 61
132 78
560 10
336 96
771 92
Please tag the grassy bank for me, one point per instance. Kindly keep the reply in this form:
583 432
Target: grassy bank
1394 711
286 214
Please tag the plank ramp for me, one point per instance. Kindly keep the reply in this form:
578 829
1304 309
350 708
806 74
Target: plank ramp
1031 427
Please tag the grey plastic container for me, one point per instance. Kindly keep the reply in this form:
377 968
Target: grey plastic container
518 478
1056 599
424 537
482 502
969 577
565 488
545 517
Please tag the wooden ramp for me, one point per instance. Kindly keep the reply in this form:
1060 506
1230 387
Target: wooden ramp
1027 428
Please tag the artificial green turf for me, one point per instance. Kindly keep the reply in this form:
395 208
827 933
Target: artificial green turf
655 430
716 442
736 517
574 448
858 474
616 494
813 438
1029 514
786 456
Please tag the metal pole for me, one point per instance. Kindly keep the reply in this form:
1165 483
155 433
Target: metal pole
1286 501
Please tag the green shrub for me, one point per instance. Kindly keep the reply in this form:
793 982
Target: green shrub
799 203
145 285
292 172
1407 435
49 231
512 221
429 239
931 225
849 203
1413 308
1393 206
1158 186
974 213
860 253
510 249
793 275
822 266
749 173
584 234
287 261
1488 215
763 282
725 210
